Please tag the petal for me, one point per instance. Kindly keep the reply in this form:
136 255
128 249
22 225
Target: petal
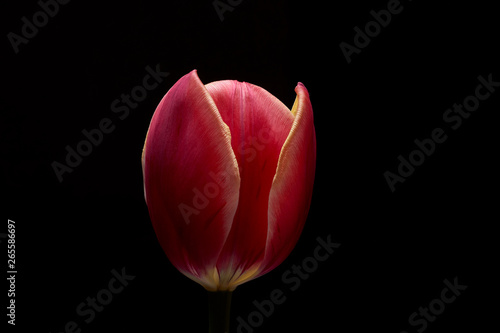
259 124
191 179
292 185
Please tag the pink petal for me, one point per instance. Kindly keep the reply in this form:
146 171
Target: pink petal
191 179
292 186
259 124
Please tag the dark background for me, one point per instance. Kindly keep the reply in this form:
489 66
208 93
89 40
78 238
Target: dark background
396 248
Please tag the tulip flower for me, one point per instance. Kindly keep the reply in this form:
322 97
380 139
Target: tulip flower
228 176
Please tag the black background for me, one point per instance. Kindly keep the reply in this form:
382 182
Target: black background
396 248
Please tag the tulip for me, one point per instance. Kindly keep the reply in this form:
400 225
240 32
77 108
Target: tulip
228 175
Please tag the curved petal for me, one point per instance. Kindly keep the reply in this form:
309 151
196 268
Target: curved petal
191 179
291 191
259 124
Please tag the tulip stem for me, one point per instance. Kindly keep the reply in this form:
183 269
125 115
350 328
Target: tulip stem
219 305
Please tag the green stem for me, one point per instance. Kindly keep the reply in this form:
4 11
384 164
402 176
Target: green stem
219 305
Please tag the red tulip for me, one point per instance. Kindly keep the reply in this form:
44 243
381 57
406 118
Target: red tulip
228 177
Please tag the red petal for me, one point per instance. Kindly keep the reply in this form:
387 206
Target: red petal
259 124
292 186
191 179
